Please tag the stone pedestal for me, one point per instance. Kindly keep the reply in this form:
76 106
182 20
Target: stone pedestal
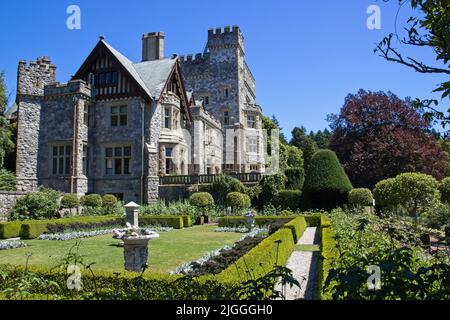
249 221
132 214
135 251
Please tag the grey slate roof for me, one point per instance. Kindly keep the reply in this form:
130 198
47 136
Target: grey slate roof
150 75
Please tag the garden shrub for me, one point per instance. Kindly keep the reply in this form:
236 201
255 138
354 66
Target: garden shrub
202 200
110 204
444 188
35 206
175 222
360 197
238 201
92 201
270 186
9 230
288 199
295 178
223 185
328 254
384 195
70 201
177 208
437 217
187 221
326 185
260 221
7 180
33 229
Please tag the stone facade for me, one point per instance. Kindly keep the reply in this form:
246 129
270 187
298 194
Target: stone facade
117 126
7 202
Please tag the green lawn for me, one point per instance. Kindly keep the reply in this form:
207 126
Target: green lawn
166 253
307 247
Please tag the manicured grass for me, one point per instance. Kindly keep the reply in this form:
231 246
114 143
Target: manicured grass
307 247
166 253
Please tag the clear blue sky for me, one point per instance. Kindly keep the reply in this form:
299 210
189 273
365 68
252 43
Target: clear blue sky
306 55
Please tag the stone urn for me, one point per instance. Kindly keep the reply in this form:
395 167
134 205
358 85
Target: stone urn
249 220
135 246
135 251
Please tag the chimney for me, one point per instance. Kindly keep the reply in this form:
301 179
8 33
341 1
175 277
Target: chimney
153 46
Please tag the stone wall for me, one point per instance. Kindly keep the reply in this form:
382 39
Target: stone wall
174 193
7 201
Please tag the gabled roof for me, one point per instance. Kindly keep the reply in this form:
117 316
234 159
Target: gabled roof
150 76
154 74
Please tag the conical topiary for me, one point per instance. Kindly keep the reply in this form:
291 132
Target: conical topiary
326 184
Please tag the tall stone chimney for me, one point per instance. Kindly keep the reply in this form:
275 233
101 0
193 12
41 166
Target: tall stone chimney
153 46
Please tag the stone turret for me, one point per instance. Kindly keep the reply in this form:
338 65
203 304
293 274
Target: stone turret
32 78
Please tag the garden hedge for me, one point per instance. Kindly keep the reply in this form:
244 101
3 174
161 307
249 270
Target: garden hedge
236 221
297 227
175 222
187 221
328 253
9 230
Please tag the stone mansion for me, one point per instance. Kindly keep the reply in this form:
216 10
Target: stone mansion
119 126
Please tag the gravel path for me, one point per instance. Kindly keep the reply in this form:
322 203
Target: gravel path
303 265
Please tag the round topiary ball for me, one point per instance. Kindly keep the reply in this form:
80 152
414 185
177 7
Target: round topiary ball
361 197
238 201
70 201
92 200
202 200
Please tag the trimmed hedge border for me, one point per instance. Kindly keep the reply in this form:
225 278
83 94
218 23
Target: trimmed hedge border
297 227
328 253
32 229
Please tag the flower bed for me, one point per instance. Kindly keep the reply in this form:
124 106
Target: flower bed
7 244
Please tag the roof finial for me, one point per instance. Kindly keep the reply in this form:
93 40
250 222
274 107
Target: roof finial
101 37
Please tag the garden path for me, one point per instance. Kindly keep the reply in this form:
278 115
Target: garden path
303 263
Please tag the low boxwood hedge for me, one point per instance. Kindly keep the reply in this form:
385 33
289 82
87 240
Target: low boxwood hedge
236 221
33 229
187 221
328 253
175 222
297 227
9 230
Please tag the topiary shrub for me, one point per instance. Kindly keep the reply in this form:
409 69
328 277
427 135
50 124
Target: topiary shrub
223 186
444 188
109 203
92 200
70 201
295 178
203 201
360 197
384 194
238 201
326 184
35 206
416 192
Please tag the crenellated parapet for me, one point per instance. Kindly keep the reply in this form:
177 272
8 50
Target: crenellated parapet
33 77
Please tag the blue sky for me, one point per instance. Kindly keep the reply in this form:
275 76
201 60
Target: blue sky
306 55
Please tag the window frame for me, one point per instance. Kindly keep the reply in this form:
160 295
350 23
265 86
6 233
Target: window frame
118 155
119 118
61 164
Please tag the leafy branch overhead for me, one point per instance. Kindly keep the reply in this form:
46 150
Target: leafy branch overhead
429 29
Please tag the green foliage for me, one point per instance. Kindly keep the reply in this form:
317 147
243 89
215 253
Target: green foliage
178 208
9 230
36 206
92 201
109 203
437 217
384 194
360 197
295 178
202 200
223 186
33 229
6 130
408 193
270 186
290 157
407 272
7 180
70 201
444 188
238 201
328 255
326 184
175 222
261 221
288 199
304 143
297 227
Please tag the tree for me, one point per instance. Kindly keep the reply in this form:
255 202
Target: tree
378 136
322 139
326 184
6 132
429 29
304 143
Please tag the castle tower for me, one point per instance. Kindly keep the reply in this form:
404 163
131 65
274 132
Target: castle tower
222 79
31 80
